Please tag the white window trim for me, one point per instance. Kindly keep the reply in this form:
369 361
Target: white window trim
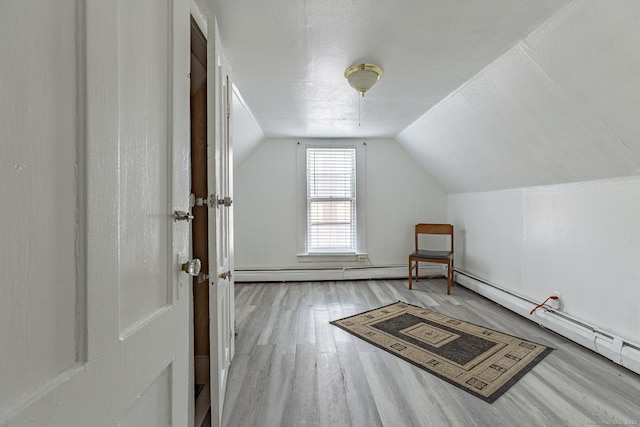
361 192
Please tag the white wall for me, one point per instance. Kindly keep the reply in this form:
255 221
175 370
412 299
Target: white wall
581 239
399 194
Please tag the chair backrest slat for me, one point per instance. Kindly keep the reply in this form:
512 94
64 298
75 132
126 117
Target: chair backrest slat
434 229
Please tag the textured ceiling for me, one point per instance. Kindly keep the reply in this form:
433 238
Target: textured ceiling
288 57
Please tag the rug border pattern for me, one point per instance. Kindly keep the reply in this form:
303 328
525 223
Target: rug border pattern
487 398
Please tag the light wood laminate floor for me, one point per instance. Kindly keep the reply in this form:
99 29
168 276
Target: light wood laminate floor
292 368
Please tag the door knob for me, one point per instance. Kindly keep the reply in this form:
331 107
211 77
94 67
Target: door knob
192 267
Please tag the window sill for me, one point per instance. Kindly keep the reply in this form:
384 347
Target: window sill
333 257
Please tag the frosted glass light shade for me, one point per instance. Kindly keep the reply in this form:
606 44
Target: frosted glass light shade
362 77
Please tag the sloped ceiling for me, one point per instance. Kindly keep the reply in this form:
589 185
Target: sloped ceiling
288 57
485 95
246 133
561 106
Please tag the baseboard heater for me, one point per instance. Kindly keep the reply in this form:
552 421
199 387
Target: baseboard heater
614 348
312 274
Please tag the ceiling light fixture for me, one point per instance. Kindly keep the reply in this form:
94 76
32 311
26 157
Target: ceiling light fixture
362 77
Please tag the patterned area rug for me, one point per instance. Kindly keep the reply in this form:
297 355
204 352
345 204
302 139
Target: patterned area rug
479 360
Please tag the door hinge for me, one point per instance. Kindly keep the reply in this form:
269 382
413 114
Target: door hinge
210 201
226 201
213 201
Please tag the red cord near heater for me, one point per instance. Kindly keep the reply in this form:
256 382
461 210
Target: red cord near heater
553 297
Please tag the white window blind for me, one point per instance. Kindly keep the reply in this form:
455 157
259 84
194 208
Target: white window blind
331 199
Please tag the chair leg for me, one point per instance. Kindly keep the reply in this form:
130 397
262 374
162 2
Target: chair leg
410 275
449 277
452 281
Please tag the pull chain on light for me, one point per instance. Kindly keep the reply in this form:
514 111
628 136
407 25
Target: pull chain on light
361 77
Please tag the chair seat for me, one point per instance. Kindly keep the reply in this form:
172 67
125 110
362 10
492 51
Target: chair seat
431 254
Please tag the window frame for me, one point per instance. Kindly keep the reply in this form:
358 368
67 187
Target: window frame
360 195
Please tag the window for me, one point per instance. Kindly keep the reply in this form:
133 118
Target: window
331 191
331 199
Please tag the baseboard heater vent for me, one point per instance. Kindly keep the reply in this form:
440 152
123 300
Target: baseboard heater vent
313 274
614 348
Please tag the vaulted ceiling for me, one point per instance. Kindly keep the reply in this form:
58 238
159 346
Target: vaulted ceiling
484 94
288 57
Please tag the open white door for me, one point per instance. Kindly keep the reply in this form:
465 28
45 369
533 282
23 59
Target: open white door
94 310
221 303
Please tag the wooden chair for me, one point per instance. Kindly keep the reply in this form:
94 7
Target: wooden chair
439 257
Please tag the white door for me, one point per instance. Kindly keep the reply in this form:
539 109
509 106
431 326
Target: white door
221 303
94 310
